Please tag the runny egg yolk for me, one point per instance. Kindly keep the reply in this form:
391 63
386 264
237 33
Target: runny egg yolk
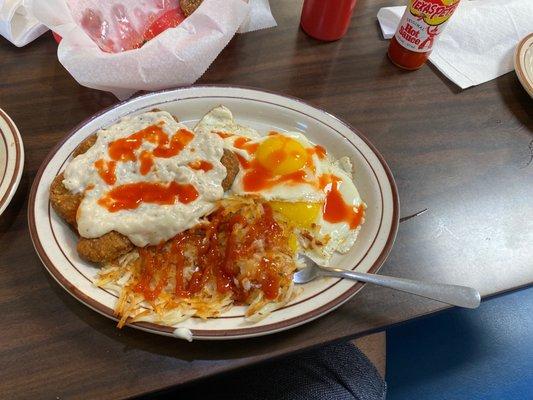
300 214
293 243
281 155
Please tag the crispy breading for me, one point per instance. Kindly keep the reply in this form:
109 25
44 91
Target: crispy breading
230 161
189 6
85 145
63 201
104 249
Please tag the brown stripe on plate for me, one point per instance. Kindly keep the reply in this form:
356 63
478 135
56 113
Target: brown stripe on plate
525 80
18 158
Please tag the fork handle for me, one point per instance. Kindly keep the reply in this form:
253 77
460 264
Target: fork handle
456 295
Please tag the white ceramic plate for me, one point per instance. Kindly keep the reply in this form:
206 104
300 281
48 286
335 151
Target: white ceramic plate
523 63
56 243
11 159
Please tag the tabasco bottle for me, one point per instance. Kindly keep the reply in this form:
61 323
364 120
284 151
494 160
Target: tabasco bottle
421 24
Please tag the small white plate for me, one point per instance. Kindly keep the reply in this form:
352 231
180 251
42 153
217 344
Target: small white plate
11 160
523 63
55 242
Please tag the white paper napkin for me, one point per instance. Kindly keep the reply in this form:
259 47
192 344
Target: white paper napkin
260 17
479 41
17 25
389 18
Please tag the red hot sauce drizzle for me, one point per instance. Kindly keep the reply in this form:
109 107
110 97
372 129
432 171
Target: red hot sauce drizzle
130 196
106 170
257 177
335 209
243 144
217 253
147 162
123 149
201 165
152 265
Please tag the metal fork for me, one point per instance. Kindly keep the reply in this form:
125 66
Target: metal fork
461 296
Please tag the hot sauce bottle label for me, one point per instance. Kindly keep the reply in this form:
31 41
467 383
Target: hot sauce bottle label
423 22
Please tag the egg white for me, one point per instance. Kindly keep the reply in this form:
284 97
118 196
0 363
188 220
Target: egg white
331 237
335 237
220 119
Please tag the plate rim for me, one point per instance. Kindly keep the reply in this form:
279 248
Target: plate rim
525 80
199 334
14 133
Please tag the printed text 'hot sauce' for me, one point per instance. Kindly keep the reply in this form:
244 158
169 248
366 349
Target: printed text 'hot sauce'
419 28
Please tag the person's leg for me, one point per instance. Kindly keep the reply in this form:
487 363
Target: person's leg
337 371
374 347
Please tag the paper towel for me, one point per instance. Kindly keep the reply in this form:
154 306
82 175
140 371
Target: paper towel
479 41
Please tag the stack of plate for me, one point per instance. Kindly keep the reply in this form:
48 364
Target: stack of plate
11 159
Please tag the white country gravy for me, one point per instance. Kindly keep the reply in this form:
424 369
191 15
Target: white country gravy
147 177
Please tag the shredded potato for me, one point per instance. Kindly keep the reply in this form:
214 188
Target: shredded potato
240 254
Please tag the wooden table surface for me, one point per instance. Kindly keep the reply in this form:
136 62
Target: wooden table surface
464 155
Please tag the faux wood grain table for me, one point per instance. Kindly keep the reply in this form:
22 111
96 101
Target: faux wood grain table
466 156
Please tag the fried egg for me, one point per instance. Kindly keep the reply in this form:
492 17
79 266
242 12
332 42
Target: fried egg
279 166
304 186
220 120
147 177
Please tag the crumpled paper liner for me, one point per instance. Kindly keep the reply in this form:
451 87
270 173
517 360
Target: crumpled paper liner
177 57
18 25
